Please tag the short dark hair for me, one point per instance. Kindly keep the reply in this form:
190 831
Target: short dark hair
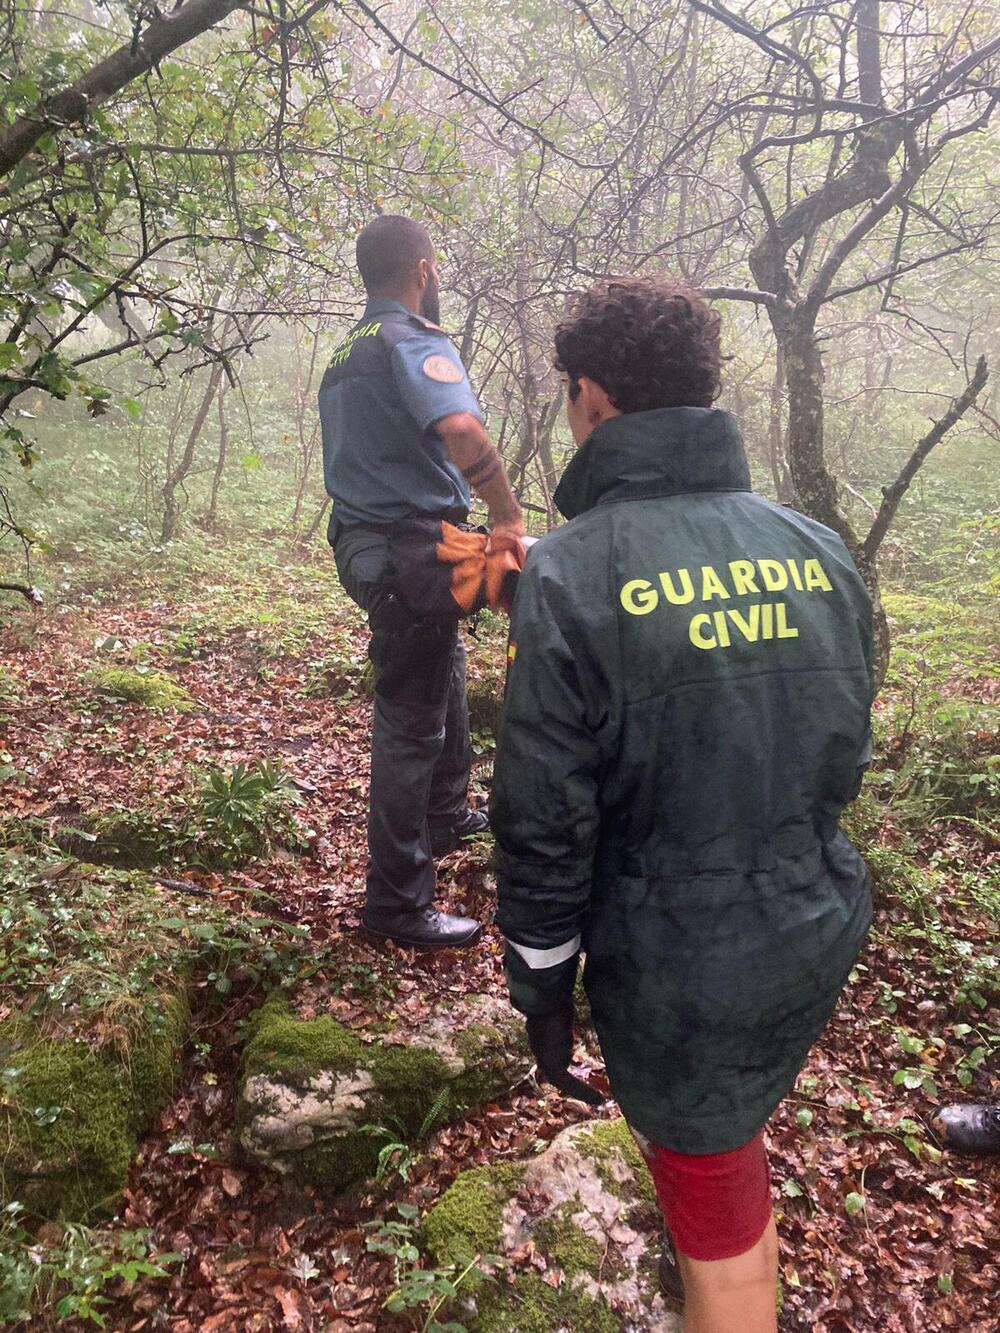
647 342
389 249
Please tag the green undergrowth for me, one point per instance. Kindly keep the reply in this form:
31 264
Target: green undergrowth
937 726
486 675
926 904
67 1273
223 819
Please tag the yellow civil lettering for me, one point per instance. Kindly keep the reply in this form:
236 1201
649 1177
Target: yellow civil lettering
767 632
742 572
774 574
686 593
785 631
639 597
815 576
793 569
750 627
697 635
711 584
722 629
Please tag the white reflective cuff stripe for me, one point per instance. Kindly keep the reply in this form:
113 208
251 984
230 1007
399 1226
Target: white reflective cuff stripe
539 958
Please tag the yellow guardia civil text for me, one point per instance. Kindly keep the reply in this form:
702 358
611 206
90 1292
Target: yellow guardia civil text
344 350
762 621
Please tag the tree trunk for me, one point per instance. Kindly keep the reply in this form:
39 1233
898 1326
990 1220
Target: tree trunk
814 489
776 433
171 505
220 463
314 525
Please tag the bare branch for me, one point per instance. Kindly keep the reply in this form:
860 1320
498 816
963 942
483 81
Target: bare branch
32 594
892 495
739 294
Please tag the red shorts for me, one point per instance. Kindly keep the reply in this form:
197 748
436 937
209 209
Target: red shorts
715 1206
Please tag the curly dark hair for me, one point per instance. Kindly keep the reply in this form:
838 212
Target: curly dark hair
647 342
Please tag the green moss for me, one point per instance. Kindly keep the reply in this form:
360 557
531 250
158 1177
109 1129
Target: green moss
612 1138
70 1112
565 1246
151 689
408 1080
467 1220
284 1044
336 1164
530 1305
152 1059
65 1144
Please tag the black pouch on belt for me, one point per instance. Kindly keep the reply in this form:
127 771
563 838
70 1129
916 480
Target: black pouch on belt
437 568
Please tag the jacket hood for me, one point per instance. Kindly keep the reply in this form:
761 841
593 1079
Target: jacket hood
669 451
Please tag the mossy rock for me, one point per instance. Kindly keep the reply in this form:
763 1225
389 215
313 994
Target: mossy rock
598 1231
151 689
70 1112
468 1219
313 1094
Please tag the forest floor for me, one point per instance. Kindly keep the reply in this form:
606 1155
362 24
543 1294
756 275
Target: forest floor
879 1230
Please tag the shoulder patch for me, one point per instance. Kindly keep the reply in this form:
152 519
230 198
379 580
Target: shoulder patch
443 370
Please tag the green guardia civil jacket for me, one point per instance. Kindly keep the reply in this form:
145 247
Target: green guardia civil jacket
687 714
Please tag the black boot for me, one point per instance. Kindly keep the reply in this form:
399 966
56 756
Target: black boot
424 929
447 837
972 1127
671 1283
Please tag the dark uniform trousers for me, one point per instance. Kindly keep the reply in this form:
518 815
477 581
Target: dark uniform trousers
421 753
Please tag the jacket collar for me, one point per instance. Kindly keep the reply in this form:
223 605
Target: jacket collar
670 451
385 305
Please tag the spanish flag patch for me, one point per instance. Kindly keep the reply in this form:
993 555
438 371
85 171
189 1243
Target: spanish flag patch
511 652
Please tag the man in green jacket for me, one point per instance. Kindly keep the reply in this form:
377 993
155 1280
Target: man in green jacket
687 716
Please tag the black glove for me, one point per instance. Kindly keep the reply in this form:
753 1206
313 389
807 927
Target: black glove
551 1039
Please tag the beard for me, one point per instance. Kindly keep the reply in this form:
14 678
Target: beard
430 302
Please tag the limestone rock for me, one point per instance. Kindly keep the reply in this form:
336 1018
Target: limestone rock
314 1095
586 1207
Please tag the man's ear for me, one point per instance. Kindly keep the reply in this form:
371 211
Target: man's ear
423 273
596 403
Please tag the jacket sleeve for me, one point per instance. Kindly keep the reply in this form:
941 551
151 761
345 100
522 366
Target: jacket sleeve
544 807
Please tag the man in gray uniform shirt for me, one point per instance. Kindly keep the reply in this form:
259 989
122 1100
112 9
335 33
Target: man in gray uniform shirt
403 437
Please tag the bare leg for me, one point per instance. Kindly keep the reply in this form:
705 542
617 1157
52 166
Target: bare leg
733 1295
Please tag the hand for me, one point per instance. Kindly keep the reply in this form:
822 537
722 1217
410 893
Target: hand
550 1037
505 536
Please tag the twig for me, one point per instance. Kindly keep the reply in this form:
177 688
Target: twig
892 495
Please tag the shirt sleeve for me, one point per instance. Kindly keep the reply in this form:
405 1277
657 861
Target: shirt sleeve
431 379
